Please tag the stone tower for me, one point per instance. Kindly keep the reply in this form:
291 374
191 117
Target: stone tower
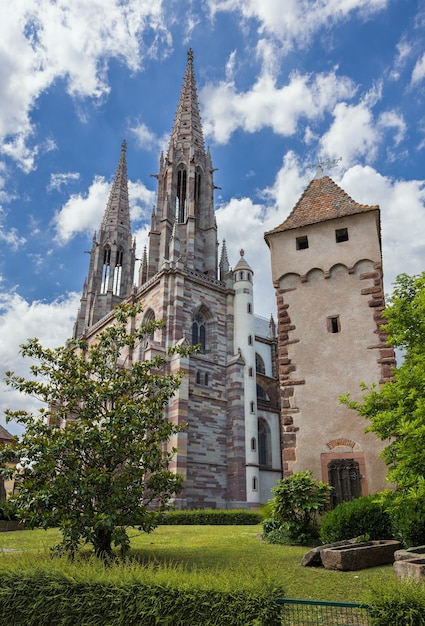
112 257
327 270
226 452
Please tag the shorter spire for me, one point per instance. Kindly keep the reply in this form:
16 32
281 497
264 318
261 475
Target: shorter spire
224 261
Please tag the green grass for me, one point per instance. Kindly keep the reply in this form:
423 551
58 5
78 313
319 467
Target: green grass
232 552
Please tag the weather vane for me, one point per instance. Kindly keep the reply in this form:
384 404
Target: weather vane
324 164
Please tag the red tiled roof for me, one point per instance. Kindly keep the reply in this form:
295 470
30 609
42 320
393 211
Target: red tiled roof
322 200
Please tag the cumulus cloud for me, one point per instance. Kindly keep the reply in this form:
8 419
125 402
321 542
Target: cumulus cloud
84 212
41 42
268 105
301 19
57 181
148 140
50 322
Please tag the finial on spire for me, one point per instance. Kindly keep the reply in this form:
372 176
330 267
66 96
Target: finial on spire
242 252
190 55
124 146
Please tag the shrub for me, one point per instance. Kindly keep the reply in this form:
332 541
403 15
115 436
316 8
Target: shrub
212 517
7 510
365 516
399 604
297 502
407 513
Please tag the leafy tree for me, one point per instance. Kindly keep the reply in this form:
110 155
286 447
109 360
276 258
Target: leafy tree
397 409
298 499
93 462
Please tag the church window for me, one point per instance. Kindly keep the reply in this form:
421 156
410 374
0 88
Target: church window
198 378
254 484
253 444
264 444
260 368
334 324
302 243
341 234
197 191
116 284
106 269
206 379
261 394
199 332
181 195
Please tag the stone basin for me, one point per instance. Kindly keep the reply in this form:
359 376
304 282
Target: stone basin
414 569
361 555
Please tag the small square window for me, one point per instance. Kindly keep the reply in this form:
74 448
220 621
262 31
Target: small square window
334 324
302 243
341 234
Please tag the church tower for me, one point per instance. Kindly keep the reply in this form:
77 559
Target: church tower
112 257
226 462
327 270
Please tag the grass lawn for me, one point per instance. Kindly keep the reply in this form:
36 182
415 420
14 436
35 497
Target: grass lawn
214 551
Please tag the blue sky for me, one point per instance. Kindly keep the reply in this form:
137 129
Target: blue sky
281 84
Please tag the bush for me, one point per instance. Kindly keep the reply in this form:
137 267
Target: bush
398 604
297 502
407 513
363 517
128 596
7 510
212 517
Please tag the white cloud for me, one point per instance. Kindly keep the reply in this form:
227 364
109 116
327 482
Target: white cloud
266 105
50 322
43 41
295 23
60 179
418 73
10 237
84 212
147 139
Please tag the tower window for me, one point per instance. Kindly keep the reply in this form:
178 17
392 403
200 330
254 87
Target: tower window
334 324
250 340
341 234
264 444
116 285
106 269
254 484
181 195
253 444
249 307
251 407
251 372
206 379
302 243
197 191
198 332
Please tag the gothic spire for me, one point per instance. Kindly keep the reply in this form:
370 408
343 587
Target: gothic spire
117 213
187 127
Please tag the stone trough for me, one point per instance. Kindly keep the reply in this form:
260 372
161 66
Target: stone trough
360 555
410 563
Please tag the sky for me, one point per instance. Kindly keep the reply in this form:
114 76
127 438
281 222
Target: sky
282 85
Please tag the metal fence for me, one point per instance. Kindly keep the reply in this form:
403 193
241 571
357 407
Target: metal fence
322 613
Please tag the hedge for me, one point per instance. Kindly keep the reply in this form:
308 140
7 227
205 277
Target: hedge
212 517
85 592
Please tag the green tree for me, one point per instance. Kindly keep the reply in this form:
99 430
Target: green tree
396 410
92 459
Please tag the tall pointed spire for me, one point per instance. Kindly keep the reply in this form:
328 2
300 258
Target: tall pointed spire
187 127
112 257
117 213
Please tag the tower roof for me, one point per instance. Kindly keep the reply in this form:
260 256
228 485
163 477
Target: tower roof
117 213
187 124
322 200
242 264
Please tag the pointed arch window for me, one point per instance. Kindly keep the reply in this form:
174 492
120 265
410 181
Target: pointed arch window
264 444
106 269
181 195
199 331
197 191
116 284
259 364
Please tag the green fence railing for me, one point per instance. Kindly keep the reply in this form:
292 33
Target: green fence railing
297 612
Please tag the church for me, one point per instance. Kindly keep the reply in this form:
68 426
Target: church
258 401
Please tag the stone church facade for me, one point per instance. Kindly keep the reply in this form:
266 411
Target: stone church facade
259 403
229 453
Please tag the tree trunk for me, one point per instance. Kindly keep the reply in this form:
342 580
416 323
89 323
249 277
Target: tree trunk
102 543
